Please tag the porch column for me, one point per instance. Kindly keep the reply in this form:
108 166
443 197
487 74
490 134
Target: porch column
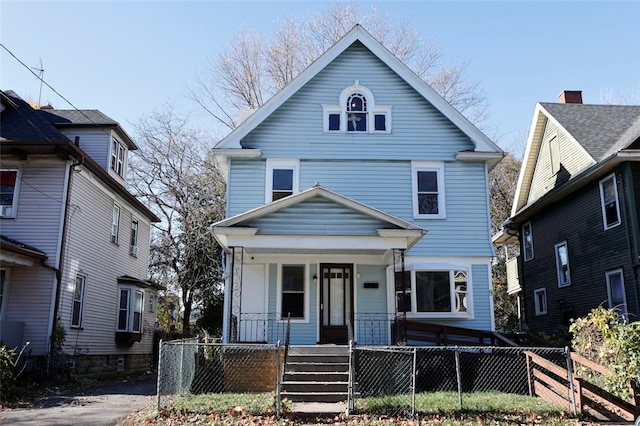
235 301
401 317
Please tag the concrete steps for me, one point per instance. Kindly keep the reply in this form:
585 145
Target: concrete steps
316 374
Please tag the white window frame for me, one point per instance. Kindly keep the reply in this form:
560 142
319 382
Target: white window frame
305 319
132 292
9 211
454 293
82 280
4 291
608 276
559 266
540 305
611 177
428 166
554 154
372 110
118 156
524 242
133 239
115 223
283 164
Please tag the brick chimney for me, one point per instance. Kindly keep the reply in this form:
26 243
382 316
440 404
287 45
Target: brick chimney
571 97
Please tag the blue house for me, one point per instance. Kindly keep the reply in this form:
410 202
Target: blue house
357 199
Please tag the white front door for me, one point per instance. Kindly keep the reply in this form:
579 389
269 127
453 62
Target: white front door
253 322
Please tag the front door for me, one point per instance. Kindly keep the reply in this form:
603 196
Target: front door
336 302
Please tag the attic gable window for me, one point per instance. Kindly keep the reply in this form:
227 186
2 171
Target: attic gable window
357 112
118 154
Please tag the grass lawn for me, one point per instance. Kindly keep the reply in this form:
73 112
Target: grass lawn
431 408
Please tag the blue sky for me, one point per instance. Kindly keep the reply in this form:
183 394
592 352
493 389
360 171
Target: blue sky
128 58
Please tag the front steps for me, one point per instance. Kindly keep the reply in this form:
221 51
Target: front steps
316 374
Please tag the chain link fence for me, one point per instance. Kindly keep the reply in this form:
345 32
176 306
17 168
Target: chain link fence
409 381
187 368
383 380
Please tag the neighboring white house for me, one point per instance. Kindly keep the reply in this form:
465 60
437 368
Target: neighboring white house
357 197
75 242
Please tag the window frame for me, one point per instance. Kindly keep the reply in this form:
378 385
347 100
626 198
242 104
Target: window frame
537 302
79 301
13 208
428 166
306 294
133 239
559 267
554 154
372 110
612 178
608 274
524 242
115 223
412 293
118 156
132 292
281 164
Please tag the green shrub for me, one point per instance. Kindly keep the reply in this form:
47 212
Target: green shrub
606 338
11 366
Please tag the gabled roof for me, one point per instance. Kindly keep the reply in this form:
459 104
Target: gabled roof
358 34
20 122
238 225
606 133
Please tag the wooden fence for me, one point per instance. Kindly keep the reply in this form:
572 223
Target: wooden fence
557 385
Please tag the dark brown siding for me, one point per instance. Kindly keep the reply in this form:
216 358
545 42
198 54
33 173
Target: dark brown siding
592 252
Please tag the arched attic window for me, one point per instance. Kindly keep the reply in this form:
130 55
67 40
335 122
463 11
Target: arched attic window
357 112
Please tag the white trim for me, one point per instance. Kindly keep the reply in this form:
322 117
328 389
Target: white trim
537 308
11 212
608 275
115 238
340 109
559 272
612 176
82 299
281 164
524 250
428 166
306 319
132 290
479 139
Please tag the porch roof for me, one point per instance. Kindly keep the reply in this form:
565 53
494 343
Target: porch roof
15 253
375 233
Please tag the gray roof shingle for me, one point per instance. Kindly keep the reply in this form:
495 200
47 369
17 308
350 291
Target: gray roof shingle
20 122
602 130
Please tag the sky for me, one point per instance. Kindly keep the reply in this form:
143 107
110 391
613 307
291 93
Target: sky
129 58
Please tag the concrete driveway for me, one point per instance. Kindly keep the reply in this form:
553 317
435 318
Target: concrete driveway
103 405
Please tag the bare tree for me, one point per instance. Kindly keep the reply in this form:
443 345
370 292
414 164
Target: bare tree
503 180
173 175
252 70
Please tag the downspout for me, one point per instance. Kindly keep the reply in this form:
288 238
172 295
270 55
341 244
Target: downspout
53 323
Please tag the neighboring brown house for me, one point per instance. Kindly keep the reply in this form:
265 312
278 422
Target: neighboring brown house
575 213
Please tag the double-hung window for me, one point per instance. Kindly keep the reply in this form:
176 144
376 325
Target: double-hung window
130 306
615 291
78 301
282 179
540 301
133 243
115 224
609 202
9 190
527 241
428 190
293 292
433 292
562 264
118 152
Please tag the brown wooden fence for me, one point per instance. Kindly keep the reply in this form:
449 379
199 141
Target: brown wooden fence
556 384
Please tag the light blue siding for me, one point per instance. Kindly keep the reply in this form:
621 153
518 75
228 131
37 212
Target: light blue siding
318 216
418 129
248 186
371 300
